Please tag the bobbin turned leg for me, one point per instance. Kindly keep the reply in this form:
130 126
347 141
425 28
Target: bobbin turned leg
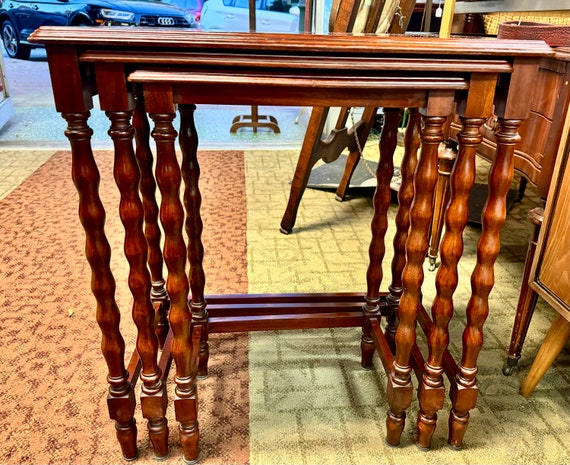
432 389
192 201
444 169
126 171
85 174
464 392
377 249
527 298
400 387
169 177
405 197
152 232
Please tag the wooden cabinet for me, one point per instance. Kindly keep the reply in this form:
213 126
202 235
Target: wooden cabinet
541 132
550 272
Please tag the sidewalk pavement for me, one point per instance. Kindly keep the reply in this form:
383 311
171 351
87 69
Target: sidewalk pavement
36 124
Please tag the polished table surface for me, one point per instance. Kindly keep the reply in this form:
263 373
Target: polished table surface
139 72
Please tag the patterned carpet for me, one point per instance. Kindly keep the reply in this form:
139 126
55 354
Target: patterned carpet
311 403
53 406
297 397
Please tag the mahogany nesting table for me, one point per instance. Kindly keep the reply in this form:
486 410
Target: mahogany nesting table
140 72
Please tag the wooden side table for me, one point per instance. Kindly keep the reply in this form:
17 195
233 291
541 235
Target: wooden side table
185 68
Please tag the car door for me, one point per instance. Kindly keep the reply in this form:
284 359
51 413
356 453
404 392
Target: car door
23 14
274 16
52 12
32 14
236 15
233 15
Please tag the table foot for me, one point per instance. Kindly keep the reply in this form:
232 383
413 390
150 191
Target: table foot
203 347
394 427
367 349
431 399
457 427
399 393
127 437
161 305
426 428
367 346
189 440
158 435
189 462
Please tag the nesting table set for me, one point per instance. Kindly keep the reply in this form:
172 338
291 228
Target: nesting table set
140 72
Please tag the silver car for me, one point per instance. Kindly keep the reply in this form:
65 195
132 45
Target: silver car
233 16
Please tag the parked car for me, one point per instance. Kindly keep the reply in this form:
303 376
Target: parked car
193 7
19 18
233 15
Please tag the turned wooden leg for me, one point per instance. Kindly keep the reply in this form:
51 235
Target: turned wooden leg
307 158
553 343
527 298
432 389
405 197
464 390
446 161
377 249
194 227
85 174
152 231
126 171
168 176
400 389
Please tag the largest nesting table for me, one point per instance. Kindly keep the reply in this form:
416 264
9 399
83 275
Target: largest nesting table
140 72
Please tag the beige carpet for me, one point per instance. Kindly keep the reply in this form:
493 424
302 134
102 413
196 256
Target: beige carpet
311 403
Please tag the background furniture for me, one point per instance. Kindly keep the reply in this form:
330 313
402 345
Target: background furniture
541 143
347 16
550 273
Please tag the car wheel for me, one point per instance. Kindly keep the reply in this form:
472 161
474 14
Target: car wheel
12 44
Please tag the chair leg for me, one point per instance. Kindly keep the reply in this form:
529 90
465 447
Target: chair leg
307 159
553 343
527 299
446 160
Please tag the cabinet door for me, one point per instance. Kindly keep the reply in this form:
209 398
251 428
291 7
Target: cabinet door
550 275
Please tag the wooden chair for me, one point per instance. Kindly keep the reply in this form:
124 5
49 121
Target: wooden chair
355 16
